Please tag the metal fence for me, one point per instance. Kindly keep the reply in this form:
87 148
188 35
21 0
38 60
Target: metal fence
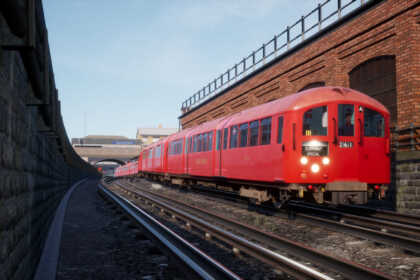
405 139
325 14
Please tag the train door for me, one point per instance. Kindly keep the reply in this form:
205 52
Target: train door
346 129
218 153
374 146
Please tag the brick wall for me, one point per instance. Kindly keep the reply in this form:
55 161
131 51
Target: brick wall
390 28
37 164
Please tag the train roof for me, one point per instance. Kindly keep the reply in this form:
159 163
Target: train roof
307 98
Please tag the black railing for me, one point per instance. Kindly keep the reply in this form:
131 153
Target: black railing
305 27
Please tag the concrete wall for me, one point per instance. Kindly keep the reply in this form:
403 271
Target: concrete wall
37 163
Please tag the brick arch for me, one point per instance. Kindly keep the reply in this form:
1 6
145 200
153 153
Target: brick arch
313 85
376 77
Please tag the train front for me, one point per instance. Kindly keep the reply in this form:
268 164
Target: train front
341 148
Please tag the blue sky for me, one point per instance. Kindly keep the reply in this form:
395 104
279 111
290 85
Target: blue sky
128 64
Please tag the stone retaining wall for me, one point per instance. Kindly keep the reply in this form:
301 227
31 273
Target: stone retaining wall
37 163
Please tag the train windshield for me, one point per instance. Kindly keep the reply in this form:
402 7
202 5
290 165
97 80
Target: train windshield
374 123
315 122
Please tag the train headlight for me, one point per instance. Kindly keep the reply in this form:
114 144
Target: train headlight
315 168
325 161
303 160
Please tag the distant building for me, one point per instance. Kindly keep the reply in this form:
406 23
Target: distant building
150 135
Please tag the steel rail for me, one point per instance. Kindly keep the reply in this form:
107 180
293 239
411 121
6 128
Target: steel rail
381 214
196 263
375 223
345 267
380 236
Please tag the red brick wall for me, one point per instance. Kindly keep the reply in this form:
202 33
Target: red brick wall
391 28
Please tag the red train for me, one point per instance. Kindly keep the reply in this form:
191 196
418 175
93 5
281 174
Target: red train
328 144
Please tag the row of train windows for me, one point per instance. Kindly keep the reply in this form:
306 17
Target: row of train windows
248 134
175 147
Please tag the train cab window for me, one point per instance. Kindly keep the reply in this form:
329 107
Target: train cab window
210 141
205 142
315 121
374 123
225 138
244 135
266 131
280 130
218 139
234 136
253 131
151 153
346 119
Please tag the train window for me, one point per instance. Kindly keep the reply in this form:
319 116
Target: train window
218 139
266 131
244 135
200 143
186 145
374 123
195 143
205 142
210 140
190 144
157 151
253 131
234 137
280 130
315 121
225 138
151 153
346 119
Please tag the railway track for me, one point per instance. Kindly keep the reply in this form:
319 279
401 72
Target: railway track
191 260
385 227
346 268
392 232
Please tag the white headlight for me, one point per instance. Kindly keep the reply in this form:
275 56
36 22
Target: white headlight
325 160
303 160
315 168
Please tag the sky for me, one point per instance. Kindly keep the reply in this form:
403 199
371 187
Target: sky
120 65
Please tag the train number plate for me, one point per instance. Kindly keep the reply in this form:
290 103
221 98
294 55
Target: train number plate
346 144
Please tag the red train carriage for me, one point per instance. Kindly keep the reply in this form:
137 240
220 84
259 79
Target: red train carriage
326 143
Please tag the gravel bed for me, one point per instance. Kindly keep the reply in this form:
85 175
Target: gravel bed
387 259
244 266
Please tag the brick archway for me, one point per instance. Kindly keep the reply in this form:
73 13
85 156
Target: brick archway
376 77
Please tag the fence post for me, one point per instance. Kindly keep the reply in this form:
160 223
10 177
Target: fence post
275 45
319 16
339 8
302 21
